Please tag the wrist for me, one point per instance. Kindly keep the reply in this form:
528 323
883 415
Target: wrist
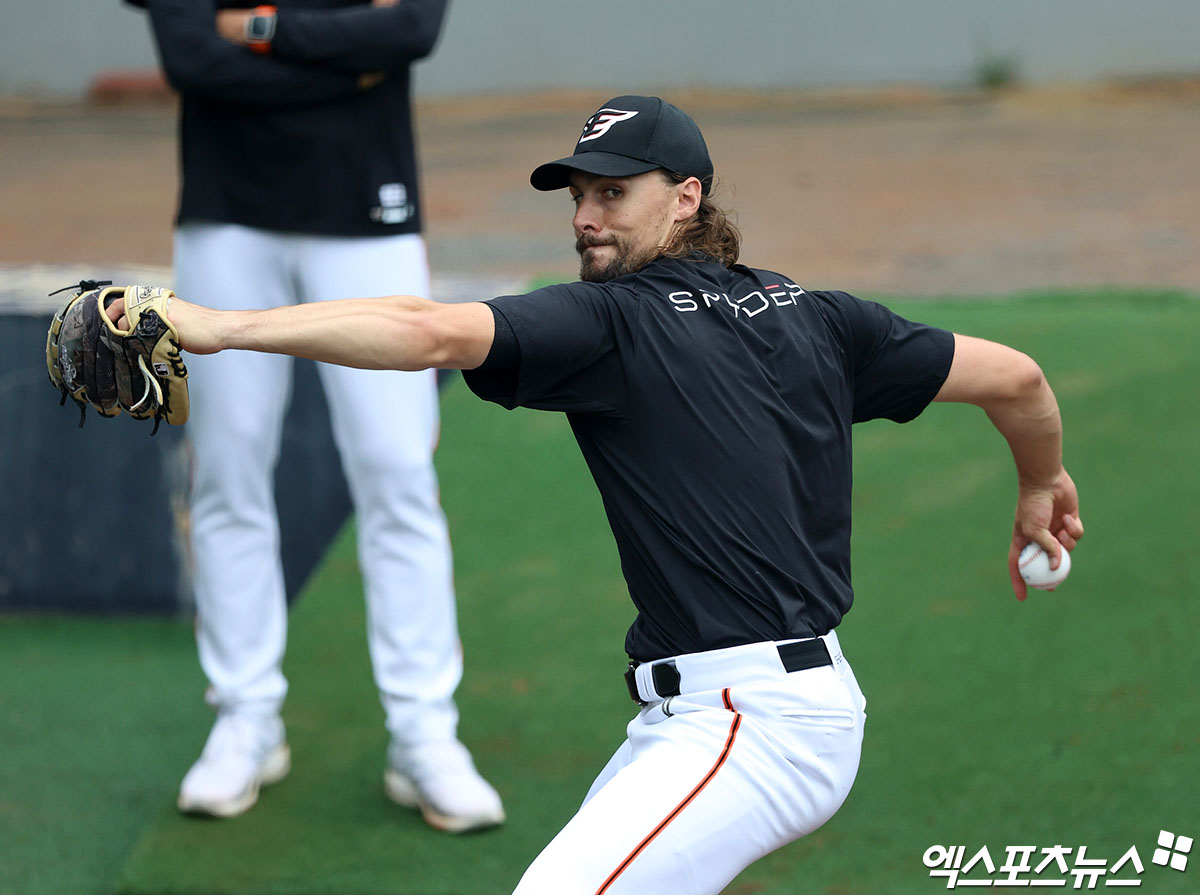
235 330
1045 480
259 29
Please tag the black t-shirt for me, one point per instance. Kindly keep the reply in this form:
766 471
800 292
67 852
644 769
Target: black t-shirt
713 407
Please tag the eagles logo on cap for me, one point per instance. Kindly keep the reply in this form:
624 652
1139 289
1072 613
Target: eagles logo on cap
631 135
598 124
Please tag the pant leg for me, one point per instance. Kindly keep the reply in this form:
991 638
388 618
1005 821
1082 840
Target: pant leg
386 426
694 798
238 399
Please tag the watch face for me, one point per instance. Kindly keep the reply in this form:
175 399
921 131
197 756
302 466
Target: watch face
260 27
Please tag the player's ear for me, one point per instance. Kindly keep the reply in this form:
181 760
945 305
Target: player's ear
689 193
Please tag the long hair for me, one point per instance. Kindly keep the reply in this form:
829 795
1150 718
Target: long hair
708 231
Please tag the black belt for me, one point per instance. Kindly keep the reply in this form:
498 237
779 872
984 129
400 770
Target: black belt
795 657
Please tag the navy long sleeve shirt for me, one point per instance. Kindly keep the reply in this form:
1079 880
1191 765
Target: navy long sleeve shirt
290 141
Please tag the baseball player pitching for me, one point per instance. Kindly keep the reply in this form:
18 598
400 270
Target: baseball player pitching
713 403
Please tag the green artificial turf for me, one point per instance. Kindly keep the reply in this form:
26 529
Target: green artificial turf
1067 720
96 717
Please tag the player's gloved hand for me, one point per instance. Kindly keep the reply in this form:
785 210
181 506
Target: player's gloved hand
1048 515
135 366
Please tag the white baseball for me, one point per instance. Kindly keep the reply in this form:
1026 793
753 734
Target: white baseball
1034 565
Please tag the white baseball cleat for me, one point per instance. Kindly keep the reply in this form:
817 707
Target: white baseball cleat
440 780
243 753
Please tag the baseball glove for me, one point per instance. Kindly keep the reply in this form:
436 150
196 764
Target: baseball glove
138 370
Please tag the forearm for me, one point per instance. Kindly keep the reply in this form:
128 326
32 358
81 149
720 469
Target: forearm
377 37
1047 503
373 333
1029 421
1012 390
398 332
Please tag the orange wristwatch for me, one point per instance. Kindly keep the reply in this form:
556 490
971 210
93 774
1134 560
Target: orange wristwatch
260 28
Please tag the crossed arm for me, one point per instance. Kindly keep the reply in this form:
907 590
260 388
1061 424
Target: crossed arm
364 37
318 55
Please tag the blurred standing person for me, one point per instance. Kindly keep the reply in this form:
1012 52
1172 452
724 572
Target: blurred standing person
300 184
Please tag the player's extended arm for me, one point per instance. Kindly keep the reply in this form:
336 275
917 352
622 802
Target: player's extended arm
379 36
395 332
200 62
1012 390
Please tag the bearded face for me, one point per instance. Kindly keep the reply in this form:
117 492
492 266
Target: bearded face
621 223
605 258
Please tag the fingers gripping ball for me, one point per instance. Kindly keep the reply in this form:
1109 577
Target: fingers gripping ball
138 369
1034 566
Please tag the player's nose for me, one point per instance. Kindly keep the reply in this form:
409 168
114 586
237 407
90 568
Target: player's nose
586 219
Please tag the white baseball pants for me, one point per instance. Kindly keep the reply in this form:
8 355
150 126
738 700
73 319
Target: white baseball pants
713 779
385 425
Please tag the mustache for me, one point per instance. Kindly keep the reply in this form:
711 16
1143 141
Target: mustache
588 240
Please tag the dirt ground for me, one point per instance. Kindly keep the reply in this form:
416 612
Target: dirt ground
904 192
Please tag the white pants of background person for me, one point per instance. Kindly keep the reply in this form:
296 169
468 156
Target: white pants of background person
385 425
709 781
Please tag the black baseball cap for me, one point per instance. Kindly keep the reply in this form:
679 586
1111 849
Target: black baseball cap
632 135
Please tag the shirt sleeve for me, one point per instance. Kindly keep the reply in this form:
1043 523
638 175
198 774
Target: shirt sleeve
896 366
496 378
198 61
572 341
360 38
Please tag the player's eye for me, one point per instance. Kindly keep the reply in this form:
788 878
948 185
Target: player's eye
613 192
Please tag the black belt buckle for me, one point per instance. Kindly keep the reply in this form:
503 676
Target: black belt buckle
664 675
631 683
